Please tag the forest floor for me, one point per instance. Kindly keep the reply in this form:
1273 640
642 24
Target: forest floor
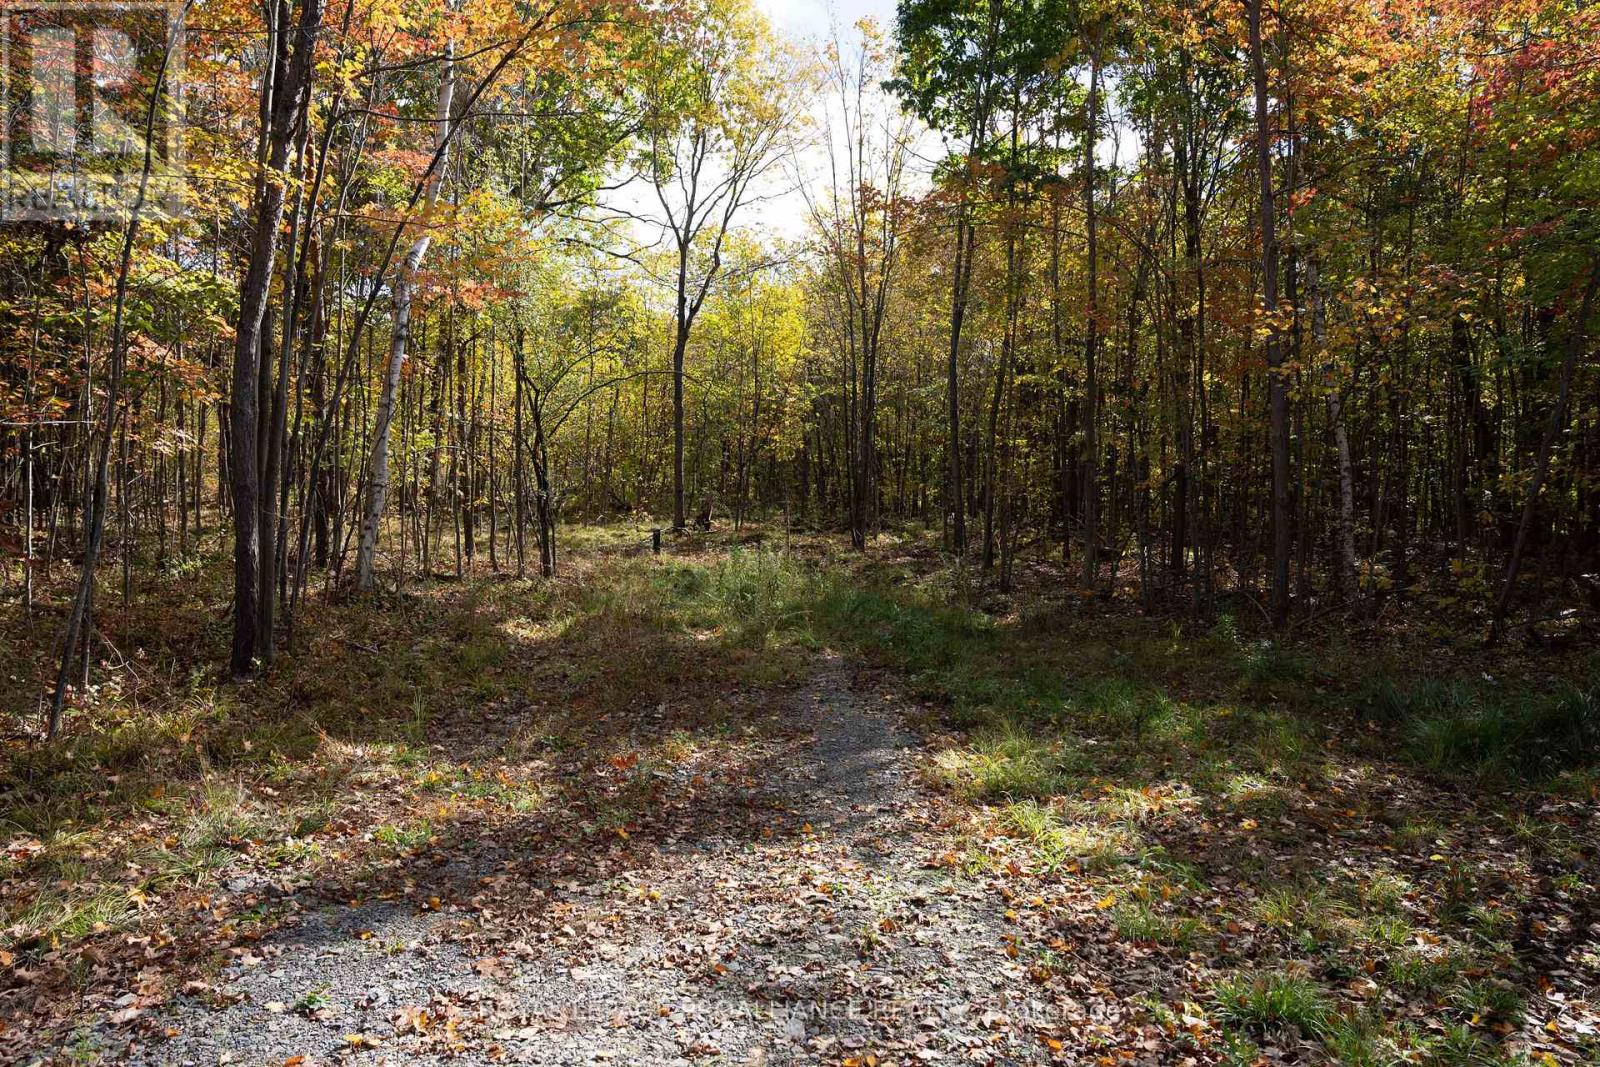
740 806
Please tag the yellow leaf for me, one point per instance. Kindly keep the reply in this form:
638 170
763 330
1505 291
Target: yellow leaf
1106 901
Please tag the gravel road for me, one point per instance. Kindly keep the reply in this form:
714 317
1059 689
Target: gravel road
838 942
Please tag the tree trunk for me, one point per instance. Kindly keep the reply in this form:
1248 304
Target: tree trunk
1558 419
288 95
679 345
95 496
1277 386
1091 385
1345 524
404 286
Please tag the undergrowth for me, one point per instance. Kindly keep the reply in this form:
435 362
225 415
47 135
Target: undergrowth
1102 747
1095 749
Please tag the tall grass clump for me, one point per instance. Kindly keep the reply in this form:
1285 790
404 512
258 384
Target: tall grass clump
755 593
908 630
1011 762
1127 708
1458 727
1272 999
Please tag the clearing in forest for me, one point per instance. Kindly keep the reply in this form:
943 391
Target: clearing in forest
742 805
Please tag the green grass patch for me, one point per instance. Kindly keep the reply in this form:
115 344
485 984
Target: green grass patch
61 915
403 837
1491 731
1264 1001
1140 920
1009 762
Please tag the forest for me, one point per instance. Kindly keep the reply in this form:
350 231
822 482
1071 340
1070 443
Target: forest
756 532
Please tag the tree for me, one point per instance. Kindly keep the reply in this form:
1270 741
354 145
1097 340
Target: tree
1277 379
956 56
96 490
722 97
857 220
444 124
285 89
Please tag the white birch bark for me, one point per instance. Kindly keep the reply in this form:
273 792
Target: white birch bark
404 284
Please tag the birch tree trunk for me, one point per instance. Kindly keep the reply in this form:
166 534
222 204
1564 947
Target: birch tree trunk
404 287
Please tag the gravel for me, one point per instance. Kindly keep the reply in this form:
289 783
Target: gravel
837 941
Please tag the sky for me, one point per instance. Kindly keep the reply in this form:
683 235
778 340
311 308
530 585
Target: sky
810 23
803 19
779 210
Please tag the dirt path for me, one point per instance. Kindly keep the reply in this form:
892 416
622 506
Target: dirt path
832 943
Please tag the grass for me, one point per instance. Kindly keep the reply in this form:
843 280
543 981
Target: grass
1008 762
1054 845
1414 970
1491 731
1364 1039
328 757
1138 920
1307 914
1154 783
1264 1002
403 838
1100 752
1489 1000
1089 748
64 915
